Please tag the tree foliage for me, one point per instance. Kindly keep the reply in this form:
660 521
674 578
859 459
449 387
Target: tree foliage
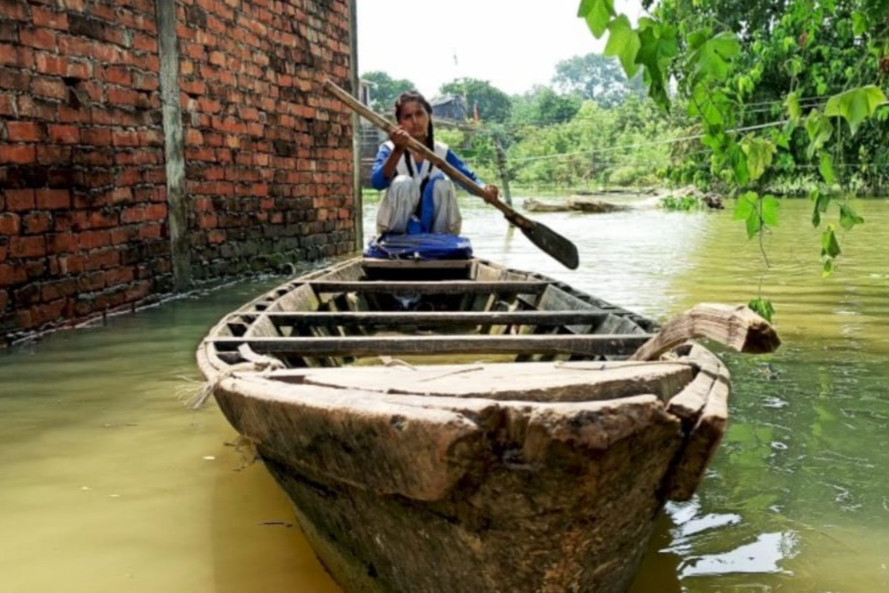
544 106
728 59
386 90
492 103
596 77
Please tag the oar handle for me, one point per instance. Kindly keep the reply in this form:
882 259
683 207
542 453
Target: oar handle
455 174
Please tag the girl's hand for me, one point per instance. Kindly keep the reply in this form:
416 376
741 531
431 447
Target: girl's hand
400 138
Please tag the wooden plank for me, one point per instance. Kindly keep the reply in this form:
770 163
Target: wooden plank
388 264
541 382
437 318
610 344
432 287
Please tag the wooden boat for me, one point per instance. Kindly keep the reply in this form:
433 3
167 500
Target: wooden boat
511 446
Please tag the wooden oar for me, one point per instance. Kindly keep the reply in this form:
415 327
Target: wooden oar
737 327
544 237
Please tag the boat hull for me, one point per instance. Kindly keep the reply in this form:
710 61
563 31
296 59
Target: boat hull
541 474
543 503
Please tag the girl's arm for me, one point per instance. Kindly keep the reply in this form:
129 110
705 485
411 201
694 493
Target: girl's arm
454 161
387 160
492 191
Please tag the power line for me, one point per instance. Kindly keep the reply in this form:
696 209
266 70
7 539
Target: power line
643 144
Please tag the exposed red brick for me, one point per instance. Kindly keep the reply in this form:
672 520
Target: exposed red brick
120 75
53 199
53 88
64 134
37 38
36 223
22 247
7 105
45 17
96 136
17 154
124 138
24 131
10 224
20 199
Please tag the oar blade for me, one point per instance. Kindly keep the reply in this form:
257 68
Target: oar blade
560 248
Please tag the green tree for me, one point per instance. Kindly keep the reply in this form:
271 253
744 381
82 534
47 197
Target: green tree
707 59
385 90
595 77
807 48
544 106
493 104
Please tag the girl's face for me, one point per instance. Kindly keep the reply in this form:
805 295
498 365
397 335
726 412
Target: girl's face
414 119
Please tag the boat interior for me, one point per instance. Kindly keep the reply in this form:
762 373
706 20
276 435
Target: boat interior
367 311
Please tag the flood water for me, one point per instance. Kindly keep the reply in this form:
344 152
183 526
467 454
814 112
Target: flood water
108 483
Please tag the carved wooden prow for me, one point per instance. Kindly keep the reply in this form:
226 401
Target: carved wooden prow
735 326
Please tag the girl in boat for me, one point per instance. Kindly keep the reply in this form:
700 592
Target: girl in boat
419 198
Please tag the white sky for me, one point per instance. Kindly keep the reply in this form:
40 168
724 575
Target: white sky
514 44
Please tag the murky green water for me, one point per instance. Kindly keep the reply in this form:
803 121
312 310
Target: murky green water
107 483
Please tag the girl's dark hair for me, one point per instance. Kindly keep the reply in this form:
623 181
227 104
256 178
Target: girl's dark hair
407 97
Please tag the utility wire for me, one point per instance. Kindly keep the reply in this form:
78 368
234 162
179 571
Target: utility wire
643 144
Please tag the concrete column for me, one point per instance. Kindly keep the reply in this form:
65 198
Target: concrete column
177 206
358 215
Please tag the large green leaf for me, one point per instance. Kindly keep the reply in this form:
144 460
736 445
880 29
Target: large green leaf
746 205
754 223
748 211
770 210
855 105
826 169
759 153
822 201
849 218
830 247
713 56
738 161
658 45
598 14
819 129
623 42
709 105
792 104
859 23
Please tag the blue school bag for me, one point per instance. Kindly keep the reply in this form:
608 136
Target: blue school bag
419 246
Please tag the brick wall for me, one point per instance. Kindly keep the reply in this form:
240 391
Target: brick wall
84 206
268 152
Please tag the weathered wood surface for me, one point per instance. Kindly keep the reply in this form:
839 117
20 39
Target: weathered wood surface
409 264
705 436
433 318
592 344
432 287
737 327
589 206
438 495
531 382
574 204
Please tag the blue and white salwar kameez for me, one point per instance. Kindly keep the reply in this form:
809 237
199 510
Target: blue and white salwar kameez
420 198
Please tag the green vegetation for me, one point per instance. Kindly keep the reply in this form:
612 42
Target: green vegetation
386 90
753 100
681 203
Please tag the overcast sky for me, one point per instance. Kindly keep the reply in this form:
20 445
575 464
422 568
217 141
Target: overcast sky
514 44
